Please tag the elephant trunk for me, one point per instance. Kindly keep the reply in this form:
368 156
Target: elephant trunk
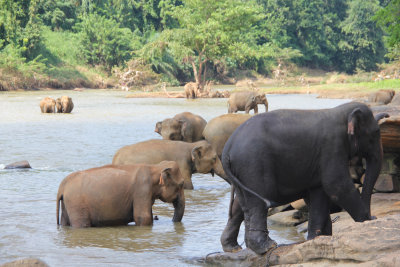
219 170
179 205
266 105
373 168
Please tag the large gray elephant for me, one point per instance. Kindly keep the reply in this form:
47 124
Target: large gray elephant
191 157
47 105
304 155
219 129
117 195
246 101
381 97
184 126
64 104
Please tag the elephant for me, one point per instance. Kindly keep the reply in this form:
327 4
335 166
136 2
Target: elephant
64 104
192 90
184 126
47 105
191 157
117 195
246 101
382 97
278 157
219 129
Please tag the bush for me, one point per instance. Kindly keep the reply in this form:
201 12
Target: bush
103 42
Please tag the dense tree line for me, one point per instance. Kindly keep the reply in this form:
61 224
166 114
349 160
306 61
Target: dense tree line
196 39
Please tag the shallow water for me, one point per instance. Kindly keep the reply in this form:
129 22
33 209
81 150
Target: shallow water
102 122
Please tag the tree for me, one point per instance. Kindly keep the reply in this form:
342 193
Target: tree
363 45
210 30
389 19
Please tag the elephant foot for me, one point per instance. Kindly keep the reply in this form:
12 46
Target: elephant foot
259 241
231 248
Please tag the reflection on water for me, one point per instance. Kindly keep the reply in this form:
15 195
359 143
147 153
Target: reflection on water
103 121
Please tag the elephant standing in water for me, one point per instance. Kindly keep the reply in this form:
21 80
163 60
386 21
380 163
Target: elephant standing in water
117 195
192 90
219 129
281 156
191 157
48 105
64 104
184 126
246 101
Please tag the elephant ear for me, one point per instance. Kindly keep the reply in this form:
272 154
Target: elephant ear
353 120
196 153
165 176
158 127
183 127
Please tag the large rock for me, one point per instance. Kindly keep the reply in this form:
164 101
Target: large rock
371 243
19 165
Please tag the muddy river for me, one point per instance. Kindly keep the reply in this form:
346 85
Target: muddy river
102 122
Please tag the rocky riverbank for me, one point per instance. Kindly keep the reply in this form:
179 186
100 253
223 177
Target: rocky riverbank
371 243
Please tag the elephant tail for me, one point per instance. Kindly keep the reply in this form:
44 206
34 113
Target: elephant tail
59 198
238 183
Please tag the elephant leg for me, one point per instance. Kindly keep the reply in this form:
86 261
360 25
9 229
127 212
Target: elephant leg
187 176
79 219
231 231
256 232
64 215
319 220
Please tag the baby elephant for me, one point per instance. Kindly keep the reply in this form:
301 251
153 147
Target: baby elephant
48 105
64 104
381 97
246 101
117 195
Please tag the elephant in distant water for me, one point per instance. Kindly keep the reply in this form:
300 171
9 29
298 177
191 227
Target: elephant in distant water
64 104
246 101
117 195
47 105
382 97
184 126
192 90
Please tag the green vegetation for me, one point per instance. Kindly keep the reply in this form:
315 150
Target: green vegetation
68 43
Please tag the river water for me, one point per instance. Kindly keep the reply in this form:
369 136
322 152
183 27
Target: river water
102 122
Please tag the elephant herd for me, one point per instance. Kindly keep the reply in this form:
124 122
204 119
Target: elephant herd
63 104
270 159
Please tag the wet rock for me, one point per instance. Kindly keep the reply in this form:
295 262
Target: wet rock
288 218
299 205
386 183
19 165
28 262
371 243
275 210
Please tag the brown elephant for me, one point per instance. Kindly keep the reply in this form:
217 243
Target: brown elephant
382 97
191 157
48 105
184 126
117 195
64 104
219 129
246 101
192 90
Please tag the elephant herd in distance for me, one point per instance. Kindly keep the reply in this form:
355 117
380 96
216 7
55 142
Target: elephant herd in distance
63 104
269 159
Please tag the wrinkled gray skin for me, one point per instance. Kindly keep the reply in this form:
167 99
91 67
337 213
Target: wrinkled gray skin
219 129
246 101
382 97
305 155
64 104
184 126
197 157
117 195
48 105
